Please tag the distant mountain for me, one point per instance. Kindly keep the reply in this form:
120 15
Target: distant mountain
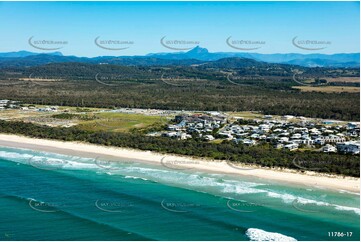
316 62
195 56
35 60
42 59
24 53
307 60
195 53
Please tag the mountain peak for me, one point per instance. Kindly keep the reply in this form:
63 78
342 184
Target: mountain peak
198 50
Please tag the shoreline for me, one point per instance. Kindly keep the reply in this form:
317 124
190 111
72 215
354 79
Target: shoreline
177 162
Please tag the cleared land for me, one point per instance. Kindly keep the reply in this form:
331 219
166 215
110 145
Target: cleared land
328 89
120 122
343 79
91 119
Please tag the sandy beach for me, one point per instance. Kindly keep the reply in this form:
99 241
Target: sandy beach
176 162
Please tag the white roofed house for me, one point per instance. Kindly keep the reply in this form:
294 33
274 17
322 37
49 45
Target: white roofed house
329 148
278 130
182 135
300 129
255 136
328 131
286 117
334 139
283 139
248 142
292 146
208 137
296 136
297 141
5 103
170 134
173 127
264 127
284 134
263 137
305 136
307 141
226 134
239 135
315 131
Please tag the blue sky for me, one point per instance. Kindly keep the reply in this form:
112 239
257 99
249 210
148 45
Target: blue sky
209 23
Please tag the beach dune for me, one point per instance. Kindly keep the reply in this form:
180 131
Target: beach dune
309 178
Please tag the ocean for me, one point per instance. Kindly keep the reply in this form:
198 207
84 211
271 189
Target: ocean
47 196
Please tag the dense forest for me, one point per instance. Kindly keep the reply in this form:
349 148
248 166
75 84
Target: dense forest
263 155
232 84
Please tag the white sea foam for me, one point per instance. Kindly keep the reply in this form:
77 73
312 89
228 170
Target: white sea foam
199 181
74 165
344 208
261 235
13 156
288 198
135 177
353 193
41 159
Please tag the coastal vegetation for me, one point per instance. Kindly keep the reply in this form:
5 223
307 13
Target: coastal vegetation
261 155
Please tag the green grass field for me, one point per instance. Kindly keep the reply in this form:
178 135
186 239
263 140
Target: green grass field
120 122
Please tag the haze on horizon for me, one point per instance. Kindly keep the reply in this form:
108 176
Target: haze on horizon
209 24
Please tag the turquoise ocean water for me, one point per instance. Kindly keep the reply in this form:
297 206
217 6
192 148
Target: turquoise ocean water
46 196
